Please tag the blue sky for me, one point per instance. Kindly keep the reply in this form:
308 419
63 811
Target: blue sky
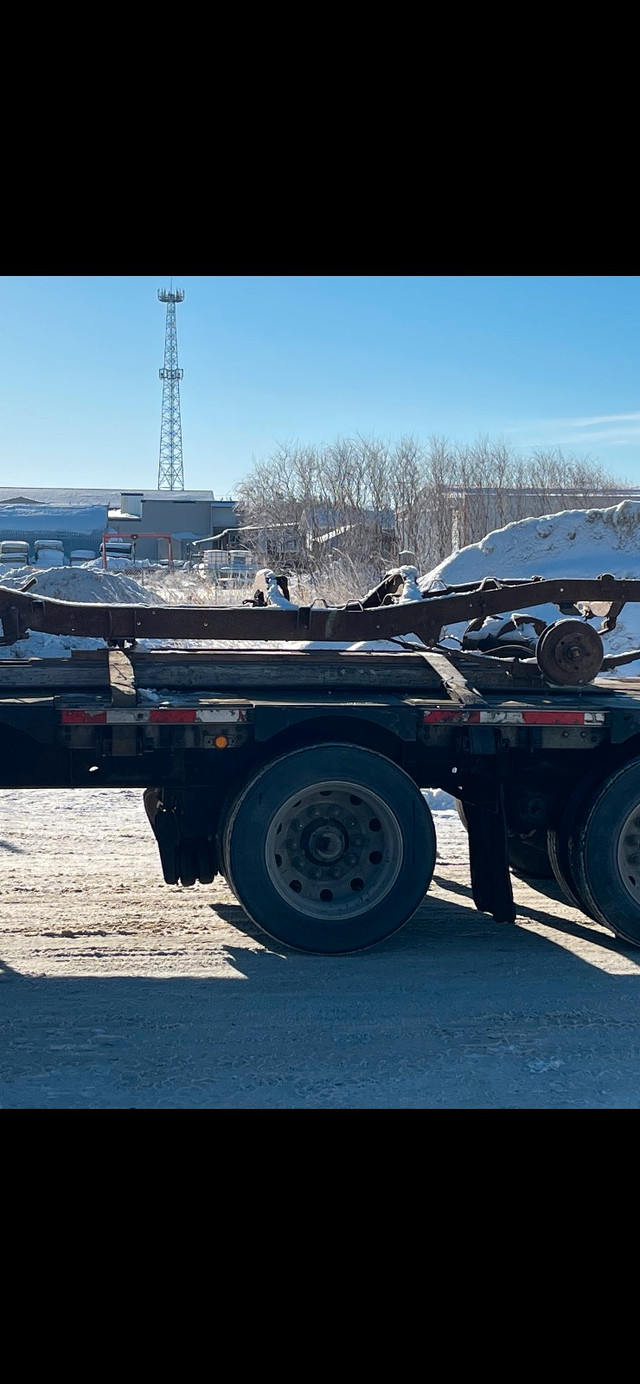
539 361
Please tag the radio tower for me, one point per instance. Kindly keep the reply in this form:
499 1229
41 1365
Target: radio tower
170 469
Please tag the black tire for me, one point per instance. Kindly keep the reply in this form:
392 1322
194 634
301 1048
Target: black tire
558 840
340 831
604 852
528 855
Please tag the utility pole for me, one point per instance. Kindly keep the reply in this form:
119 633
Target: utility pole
170 469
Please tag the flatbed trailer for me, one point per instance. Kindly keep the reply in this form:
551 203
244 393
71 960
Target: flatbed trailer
298 776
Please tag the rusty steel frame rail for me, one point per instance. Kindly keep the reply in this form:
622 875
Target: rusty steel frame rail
21 612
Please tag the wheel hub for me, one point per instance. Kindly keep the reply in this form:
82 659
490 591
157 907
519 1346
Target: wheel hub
325 843
629 854
334 850
569 652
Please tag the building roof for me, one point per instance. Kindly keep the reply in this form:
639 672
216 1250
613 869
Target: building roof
52 519
47 495
176 495
110 499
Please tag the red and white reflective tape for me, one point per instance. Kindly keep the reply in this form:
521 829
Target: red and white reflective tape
476 717
161 715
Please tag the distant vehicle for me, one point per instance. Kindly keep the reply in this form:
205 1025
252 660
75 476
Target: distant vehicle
14 551
79 556
49 552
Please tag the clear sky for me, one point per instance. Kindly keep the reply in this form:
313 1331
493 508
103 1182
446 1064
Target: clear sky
533 360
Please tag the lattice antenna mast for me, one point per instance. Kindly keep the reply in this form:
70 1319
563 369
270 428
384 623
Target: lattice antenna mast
170 469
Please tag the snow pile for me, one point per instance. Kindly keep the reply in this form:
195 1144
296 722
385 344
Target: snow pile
78 584
439 801
81 584
124 564
573 543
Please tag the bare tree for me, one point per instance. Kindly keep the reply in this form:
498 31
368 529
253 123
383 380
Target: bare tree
356 503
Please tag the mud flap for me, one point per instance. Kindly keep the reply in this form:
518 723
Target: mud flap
166 831
488 851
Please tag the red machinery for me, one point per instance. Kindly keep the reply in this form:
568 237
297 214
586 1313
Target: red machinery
134 537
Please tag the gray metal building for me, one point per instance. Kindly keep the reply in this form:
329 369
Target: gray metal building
186 515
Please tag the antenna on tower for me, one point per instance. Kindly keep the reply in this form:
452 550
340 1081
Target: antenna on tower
170 469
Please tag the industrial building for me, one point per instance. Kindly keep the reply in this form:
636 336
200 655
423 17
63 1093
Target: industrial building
78 518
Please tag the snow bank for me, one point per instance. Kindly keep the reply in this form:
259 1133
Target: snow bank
572 543
439 801
80 584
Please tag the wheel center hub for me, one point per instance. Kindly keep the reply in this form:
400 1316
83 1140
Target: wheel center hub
324 842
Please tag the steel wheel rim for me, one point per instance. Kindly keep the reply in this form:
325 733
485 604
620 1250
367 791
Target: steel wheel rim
628 854
334 850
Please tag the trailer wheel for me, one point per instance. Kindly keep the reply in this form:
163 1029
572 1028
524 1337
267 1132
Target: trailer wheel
329 849
604 852
559 838
559 857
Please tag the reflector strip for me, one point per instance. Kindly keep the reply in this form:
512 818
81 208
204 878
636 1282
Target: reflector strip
83 718
458 715
221 713
161 715
169 716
